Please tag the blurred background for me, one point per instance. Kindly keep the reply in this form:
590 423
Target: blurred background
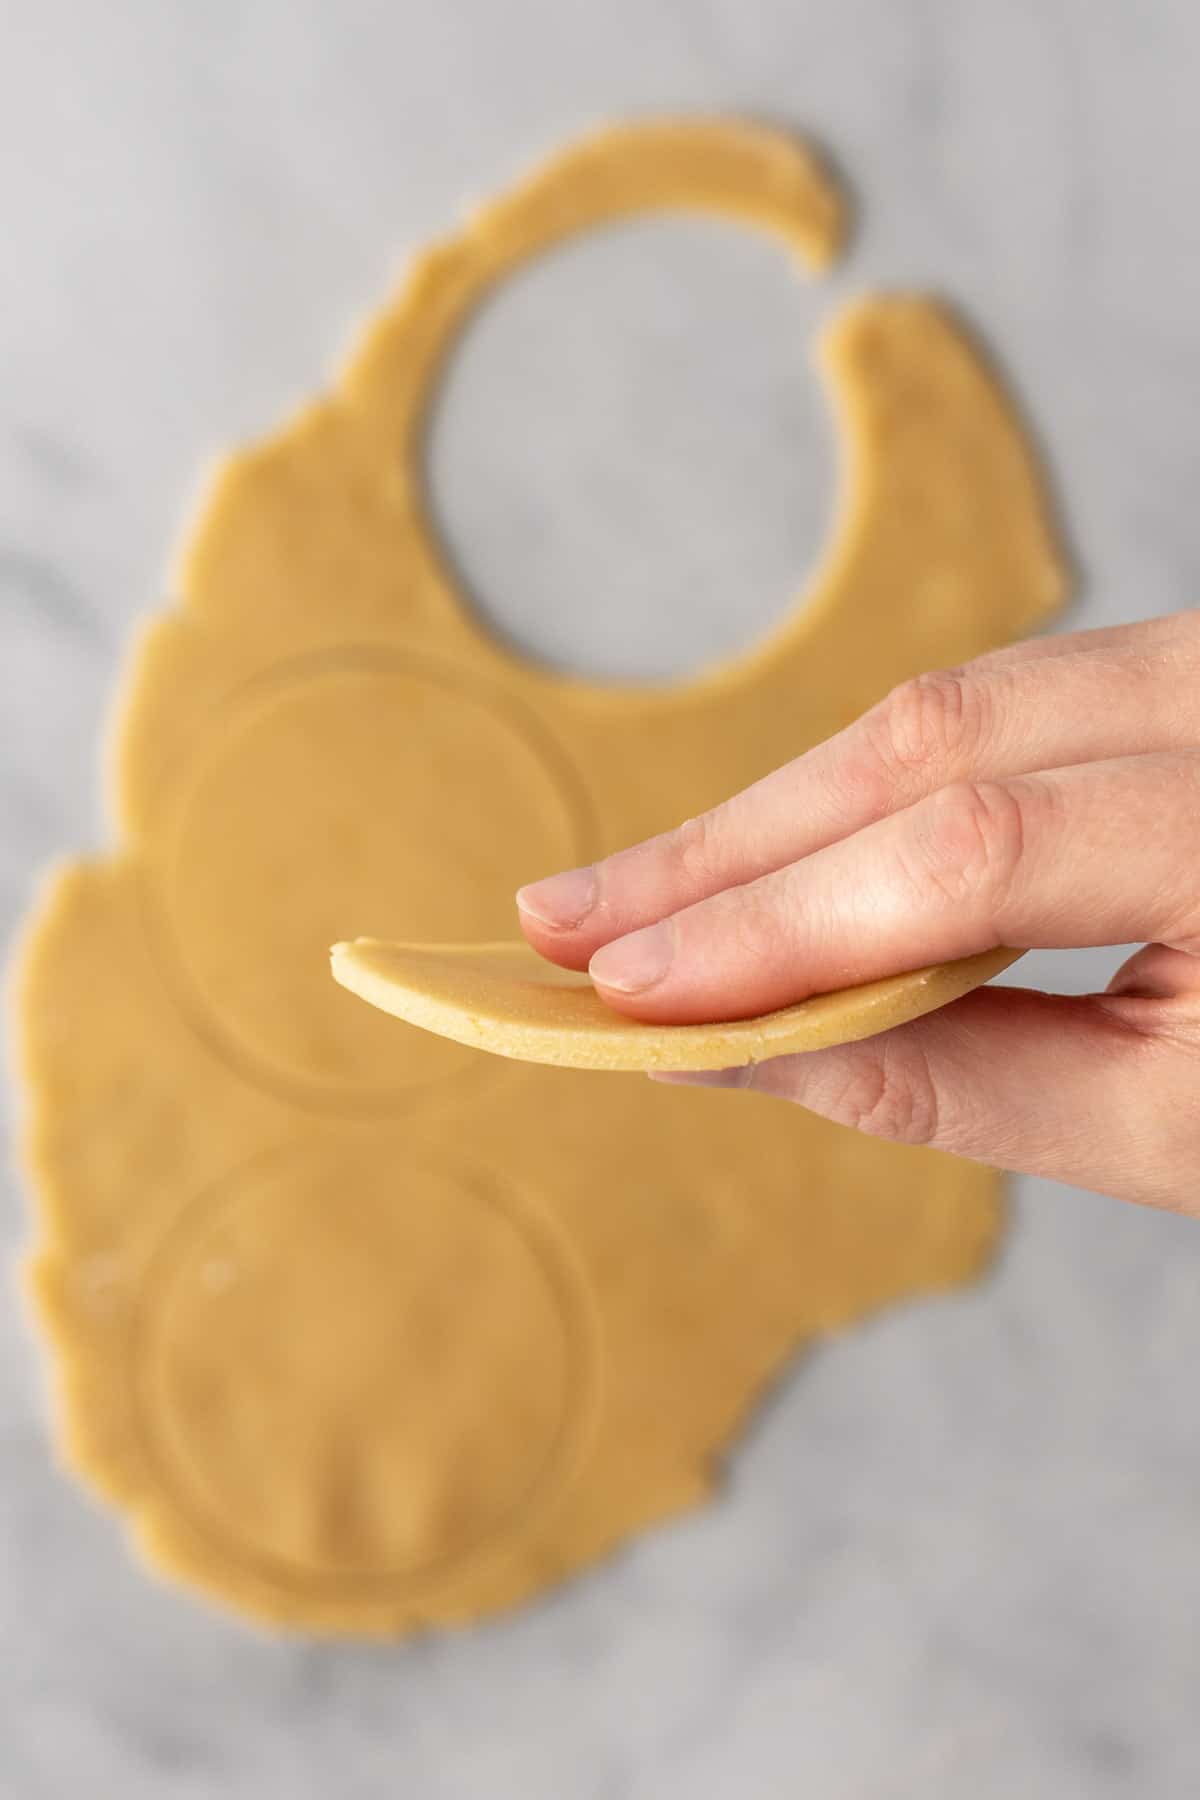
959 1552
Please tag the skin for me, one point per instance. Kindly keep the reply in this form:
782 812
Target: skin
1044 796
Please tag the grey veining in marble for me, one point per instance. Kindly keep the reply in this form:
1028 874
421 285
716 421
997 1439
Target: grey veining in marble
960 1550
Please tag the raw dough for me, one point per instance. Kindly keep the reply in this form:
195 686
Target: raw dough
363 1329
506 999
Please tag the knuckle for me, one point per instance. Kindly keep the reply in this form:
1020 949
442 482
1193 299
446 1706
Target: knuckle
892 1095
973 841
752 925
694 850
928 724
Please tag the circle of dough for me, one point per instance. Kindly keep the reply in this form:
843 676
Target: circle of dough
506 999
361 1373
375 789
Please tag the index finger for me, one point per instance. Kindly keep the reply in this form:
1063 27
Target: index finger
1096 854
1111 695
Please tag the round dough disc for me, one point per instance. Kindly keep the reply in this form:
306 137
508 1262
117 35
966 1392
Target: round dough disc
507 999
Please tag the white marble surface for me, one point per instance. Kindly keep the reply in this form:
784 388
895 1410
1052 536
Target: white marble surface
961 1551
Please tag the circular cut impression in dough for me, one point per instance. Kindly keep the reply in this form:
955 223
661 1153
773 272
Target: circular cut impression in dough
373 787
311 1374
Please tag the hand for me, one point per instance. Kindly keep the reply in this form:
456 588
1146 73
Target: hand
1047 795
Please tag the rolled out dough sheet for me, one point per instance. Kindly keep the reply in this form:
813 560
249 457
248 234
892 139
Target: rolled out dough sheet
506 999
360 1329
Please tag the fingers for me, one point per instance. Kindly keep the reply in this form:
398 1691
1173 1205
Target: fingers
1160 987
1170 632
1066 1088
1040 860
992 720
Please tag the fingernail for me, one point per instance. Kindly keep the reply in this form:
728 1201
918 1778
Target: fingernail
634 963
561 901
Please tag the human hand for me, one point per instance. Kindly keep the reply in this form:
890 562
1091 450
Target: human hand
1046 795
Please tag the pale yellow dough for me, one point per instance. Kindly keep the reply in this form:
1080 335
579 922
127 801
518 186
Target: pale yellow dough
360 1328
506 999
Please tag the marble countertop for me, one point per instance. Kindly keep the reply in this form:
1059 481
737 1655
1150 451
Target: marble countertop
960 1550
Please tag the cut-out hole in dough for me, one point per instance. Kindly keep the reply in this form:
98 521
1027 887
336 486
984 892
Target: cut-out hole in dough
630 461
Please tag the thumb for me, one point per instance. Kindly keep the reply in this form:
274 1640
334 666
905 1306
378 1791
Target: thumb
1071 1088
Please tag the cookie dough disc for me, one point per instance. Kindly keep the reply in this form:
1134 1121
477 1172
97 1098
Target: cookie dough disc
507 999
